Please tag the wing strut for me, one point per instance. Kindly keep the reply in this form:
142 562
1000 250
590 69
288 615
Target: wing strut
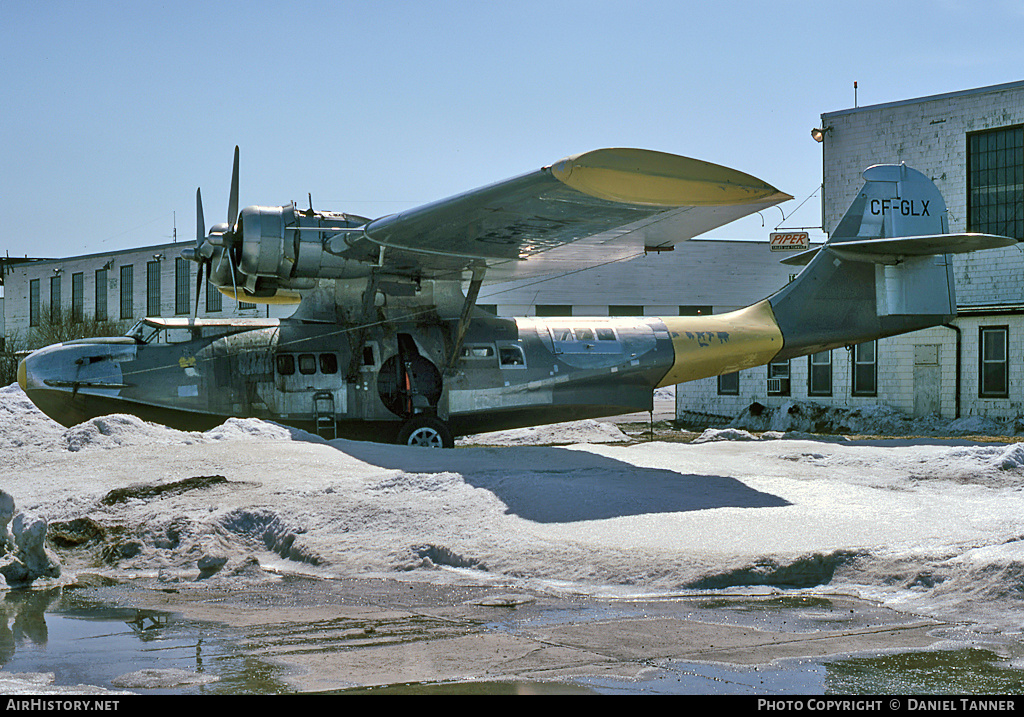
369 296
467 309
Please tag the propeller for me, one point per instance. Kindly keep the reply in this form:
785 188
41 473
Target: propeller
224 236
204 262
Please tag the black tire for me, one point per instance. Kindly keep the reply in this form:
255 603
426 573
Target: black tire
427 432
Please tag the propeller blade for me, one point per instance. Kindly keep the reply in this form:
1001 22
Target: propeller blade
233 199
200 222
199 285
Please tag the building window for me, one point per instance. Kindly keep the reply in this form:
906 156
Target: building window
865 369
127 289
214 299
55 298
243 305
819 374
625 310
694 310
995 182
182 285
101 294
152 288
729 384
77 297
491 309
554 310
33 302
778 378
994 367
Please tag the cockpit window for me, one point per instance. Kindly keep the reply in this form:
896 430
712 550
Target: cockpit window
605 335
146 333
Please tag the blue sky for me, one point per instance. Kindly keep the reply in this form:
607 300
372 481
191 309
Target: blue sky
113 113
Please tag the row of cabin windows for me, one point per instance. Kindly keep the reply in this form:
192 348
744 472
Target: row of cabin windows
993 370
308 364
556 310
508 356
126 308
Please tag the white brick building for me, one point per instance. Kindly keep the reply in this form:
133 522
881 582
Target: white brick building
114 287
971 144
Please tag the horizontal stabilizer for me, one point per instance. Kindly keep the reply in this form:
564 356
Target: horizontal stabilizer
894 250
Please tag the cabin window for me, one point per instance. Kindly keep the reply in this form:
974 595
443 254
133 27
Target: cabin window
819 374
307 364
328 363
865 369
605 335
584 335
511 357
562 334
993 369
477 352
285 364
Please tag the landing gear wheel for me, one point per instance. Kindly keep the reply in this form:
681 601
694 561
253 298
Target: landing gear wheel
427 432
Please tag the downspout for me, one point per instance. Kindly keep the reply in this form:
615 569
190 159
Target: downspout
959 343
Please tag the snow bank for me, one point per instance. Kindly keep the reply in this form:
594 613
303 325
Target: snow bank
586 431
873 419
931 528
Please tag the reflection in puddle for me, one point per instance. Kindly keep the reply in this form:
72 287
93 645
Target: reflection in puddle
51 631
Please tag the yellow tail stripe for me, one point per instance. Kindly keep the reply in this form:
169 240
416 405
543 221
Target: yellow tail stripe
722 343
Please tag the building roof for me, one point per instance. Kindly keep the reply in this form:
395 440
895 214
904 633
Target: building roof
1019 84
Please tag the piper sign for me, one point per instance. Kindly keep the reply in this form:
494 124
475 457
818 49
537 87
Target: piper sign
790 241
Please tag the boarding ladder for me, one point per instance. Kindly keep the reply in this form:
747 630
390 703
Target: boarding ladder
323 415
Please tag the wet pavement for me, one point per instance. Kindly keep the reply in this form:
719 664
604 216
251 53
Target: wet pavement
385 636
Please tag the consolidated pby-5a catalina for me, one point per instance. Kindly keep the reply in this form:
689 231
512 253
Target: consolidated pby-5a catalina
387 342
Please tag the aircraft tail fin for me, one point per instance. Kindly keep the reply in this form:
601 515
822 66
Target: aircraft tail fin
885 270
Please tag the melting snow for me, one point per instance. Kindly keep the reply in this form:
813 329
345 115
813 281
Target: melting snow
927 525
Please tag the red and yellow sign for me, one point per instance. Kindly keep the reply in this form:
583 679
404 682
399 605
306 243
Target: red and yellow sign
790 241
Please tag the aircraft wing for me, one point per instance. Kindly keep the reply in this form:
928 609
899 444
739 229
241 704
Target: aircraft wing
584 210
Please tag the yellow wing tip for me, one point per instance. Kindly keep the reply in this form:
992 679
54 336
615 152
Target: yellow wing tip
651 178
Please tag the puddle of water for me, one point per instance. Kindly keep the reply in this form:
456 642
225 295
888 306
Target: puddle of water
85 643
82 644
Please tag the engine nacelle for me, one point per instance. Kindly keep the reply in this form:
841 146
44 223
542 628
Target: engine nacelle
265 251
287 244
